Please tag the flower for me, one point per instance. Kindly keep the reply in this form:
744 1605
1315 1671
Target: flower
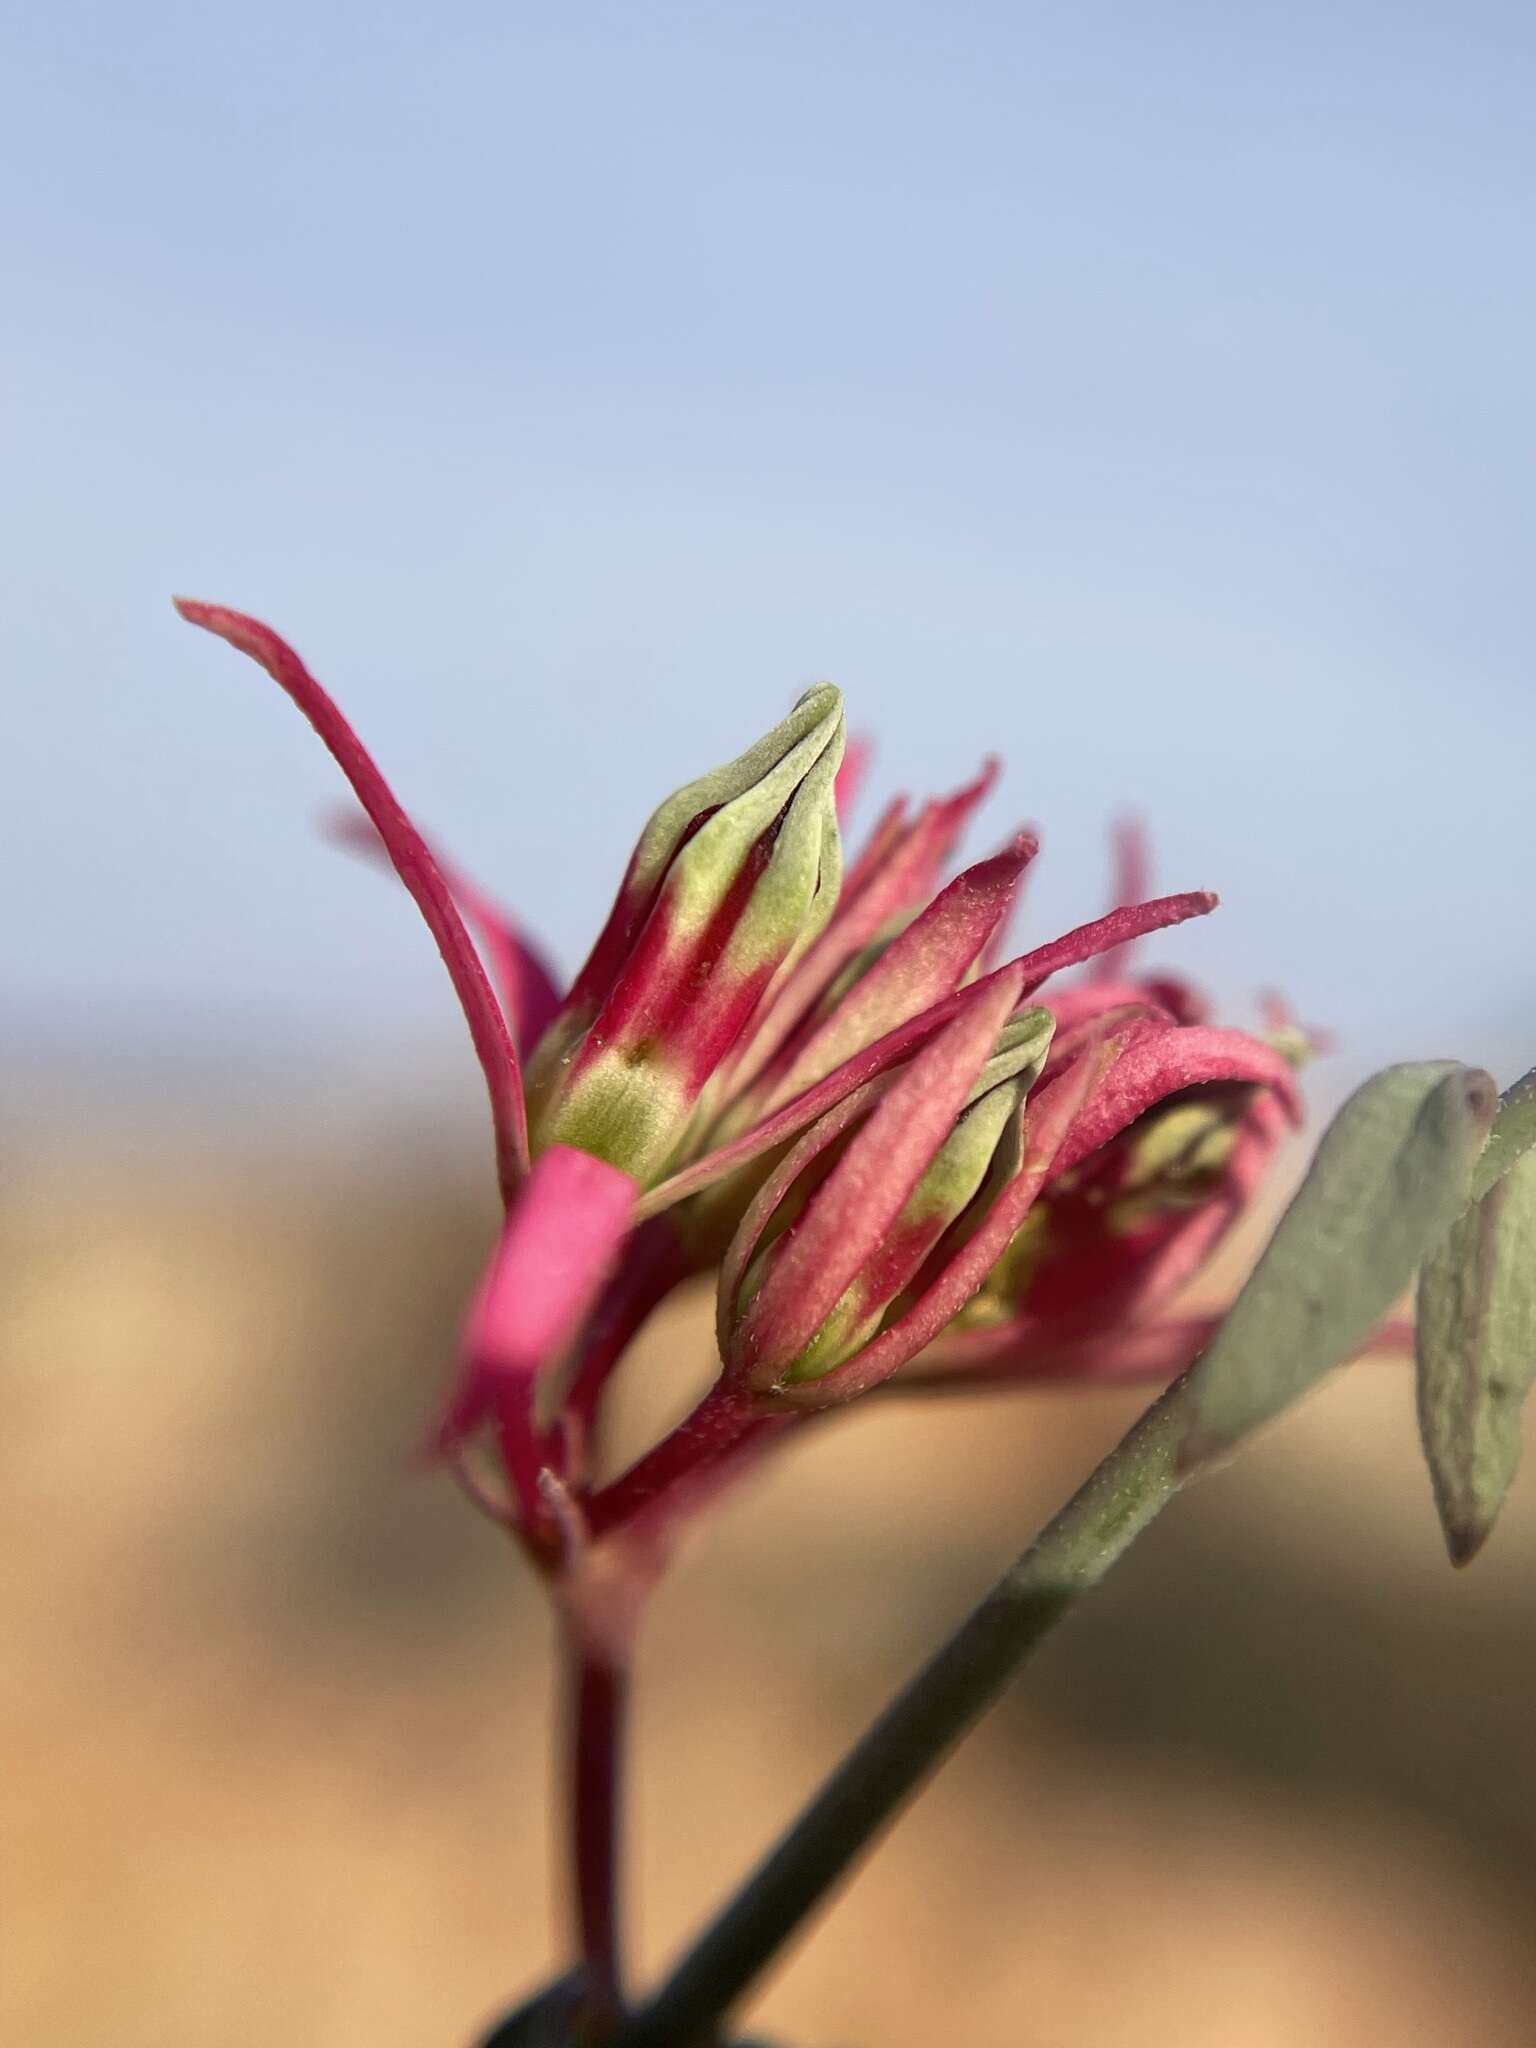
912 1163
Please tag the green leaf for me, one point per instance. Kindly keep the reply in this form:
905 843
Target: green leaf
1514 1130
1476 1340
1389 1179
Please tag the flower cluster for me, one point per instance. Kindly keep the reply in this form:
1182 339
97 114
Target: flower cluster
911 1159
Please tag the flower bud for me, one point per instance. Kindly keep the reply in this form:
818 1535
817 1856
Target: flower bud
852 1217
733 878
1130 1222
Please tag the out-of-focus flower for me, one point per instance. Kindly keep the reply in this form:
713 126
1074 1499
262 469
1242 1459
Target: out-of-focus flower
1084 1288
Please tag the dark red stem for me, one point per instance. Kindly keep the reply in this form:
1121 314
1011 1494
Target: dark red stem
597 1683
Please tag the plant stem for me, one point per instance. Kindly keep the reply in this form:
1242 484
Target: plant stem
916 1731
722 1419
597 1684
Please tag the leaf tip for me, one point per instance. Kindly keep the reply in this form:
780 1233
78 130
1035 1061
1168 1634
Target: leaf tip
1481 1094
1464 1540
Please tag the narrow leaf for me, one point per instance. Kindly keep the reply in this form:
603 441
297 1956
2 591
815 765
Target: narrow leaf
1477 1355
1390 1177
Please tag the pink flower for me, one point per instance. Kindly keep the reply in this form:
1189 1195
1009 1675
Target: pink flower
826 1085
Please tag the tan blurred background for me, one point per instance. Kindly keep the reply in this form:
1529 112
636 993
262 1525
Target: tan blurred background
275 1706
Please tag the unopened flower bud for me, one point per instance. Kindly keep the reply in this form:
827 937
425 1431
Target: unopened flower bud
1123 1230
733 878
877 1192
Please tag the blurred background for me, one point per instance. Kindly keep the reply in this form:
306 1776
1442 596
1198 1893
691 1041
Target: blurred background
1141 392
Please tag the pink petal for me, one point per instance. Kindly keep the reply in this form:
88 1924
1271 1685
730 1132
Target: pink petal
872 1060
1191 1241
994 952
889 828
1146 1351
867 1189
1112 932
655 1261
922 966
1089 1001
1092 1280
867 1064
850 779
522 975
1048 1120
919 848
1133 867
1143 1352
896 872
555 1252
414 865
1157 1060
748 1235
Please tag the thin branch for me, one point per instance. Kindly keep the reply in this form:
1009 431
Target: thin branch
916 1732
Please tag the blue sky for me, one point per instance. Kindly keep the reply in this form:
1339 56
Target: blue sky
1142 392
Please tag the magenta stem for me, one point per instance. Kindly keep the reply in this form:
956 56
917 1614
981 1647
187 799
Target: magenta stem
722 1419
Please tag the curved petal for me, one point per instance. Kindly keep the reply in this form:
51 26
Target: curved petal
1047 1121
1132 879
1109 933
866 1190
414 865
1155 1060
551 1261
522 976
